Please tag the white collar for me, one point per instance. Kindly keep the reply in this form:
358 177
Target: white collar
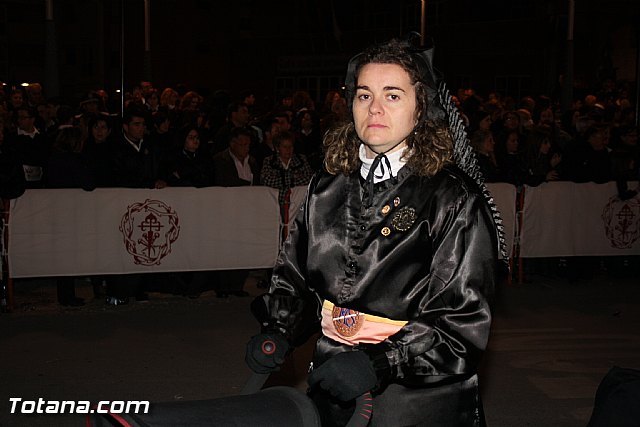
383 173
236 159
284 165
135 145
29 134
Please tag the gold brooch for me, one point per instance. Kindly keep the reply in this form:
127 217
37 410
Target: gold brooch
386 209
385 231
404 219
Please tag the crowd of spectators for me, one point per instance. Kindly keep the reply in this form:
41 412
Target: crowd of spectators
530 141
177 137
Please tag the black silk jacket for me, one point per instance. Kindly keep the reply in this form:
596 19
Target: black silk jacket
421 249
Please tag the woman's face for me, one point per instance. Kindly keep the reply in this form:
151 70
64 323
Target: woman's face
598 141
285 150
164 126
630 138
306 122
485 123
192 141
547 117
100 131
545 146
488 144
153 100
384 108
512 121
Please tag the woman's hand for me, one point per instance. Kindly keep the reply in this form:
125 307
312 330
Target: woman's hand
345 376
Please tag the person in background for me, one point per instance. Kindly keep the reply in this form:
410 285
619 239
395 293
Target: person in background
541 162
189 167
68 168
234 167
285 169
137 164
98 148
306 126
28 145
484 146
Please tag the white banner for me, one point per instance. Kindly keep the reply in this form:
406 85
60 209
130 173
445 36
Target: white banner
117 230
569 219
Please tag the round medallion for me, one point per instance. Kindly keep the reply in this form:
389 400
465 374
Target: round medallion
347 322
404 219
385 231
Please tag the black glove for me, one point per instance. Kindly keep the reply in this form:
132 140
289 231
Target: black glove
265 352
345 376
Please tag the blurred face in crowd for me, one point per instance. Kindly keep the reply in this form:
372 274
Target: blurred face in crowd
153 100
25 121
512 121
90 107
164 126
525 118
486 145
239 146
512 143
135 129
630 138
194 103
137 96
485 123
597 141
384 107
283 123
250 100
146 88
285 150
241 116
103 95
45 111
545 146
192 141
34 93
100 131
547 117
16 99
306 123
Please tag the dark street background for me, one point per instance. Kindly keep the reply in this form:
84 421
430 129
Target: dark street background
552 342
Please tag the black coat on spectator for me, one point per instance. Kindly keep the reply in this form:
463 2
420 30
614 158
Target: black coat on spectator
137 169
226 174
489 169
512 168
12 182
584 164
188 169
31 153
100 158
68 170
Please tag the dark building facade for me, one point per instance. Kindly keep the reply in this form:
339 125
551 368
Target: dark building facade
515 47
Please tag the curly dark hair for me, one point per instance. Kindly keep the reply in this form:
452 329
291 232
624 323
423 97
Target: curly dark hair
430 146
